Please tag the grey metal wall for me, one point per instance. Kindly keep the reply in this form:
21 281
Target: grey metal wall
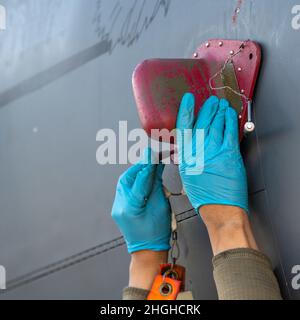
66 70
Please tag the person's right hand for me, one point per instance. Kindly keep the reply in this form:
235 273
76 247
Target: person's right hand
140 209
222 180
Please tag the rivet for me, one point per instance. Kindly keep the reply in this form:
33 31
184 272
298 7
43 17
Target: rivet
239 69
220 43
249 127
195 54
207 44
237 10
242 91
231 52
240 116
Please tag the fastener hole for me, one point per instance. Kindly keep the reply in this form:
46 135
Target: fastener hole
171 274
251 56
165 289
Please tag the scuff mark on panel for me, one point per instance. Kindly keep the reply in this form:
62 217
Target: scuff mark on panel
125 25
237 11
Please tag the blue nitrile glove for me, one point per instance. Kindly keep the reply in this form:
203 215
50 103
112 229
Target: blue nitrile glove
141 209
223 179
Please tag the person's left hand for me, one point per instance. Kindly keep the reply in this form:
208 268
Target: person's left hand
141 209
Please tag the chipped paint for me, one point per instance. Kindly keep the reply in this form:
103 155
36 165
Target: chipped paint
237 11
168 88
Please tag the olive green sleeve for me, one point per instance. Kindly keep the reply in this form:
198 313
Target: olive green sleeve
245 274
240 274
130 293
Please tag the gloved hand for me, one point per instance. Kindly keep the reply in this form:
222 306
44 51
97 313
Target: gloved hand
223 179
141 210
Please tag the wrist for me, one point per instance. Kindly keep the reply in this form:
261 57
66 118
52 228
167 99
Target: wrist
217 216
228 227
144 267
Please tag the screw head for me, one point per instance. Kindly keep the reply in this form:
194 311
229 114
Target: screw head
239 69
220 43
207 44
231 52
195 54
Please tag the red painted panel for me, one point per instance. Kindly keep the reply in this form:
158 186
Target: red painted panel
159 84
